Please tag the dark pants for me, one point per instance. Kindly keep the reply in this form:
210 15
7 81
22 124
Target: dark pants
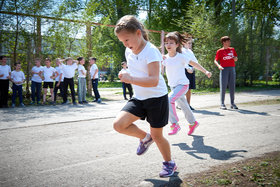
36 90
128 86
69 82
17 90
94 87
4 90
61 89
227 78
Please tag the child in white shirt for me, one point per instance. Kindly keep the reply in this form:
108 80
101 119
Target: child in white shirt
18 78
36 81
5 75
175 63
49 74
94 79
59 81
82 84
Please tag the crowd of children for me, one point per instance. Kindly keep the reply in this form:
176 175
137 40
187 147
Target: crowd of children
54 79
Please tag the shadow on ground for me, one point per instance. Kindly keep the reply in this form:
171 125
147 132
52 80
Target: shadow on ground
174 181
198 147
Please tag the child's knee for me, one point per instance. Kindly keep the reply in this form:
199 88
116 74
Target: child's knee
117 126
157 136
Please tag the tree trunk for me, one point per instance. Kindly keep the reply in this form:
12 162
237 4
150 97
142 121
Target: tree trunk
16 37
89 54
28 59
38 39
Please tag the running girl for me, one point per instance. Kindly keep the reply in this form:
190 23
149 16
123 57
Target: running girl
175 63
150 99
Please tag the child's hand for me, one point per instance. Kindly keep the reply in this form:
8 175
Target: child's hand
125 77
208 74
57 85
190 70
220 67
163 57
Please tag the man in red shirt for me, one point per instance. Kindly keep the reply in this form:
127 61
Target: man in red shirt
227 57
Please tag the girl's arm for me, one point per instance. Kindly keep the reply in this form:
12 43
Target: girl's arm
200 68
150 81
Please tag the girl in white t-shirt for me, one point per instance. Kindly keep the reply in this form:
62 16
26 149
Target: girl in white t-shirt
150 99
18 78
5 75
175 63
82 84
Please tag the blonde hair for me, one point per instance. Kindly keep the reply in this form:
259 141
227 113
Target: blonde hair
178 38
131 24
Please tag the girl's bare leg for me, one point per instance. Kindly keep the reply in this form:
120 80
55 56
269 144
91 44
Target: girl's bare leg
162 143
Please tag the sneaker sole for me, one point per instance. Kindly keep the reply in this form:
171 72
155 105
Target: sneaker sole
146 148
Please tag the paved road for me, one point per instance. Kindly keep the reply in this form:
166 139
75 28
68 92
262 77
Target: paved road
77 146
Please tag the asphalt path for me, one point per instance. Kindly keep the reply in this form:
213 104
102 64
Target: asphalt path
77 146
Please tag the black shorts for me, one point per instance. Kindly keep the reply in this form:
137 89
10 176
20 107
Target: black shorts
191 77
154 110
48 85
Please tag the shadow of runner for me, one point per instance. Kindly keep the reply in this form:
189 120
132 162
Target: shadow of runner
198 146
174 181
206 112
242 111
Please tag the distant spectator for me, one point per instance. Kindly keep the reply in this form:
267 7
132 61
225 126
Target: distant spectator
36 81
18 78
5 75
227 57
82 84
59 80
94 78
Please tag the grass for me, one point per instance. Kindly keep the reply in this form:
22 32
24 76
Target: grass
260 171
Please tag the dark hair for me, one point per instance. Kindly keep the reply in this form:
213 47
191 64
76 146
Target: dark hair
2 56
131 24
178 38
224 39
80 58
93 58
17 63
124 63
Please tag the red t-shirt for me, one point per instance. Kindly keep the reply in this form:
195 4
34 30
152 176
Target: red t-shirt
225 56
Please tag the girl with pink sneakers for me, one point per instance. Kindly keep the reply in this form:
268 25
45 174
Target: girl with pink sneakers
175 63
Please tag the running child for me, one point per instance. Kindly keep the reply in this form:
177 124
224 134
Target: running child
58 81
150 99
82 84
175 63
36 81
49 74
17 78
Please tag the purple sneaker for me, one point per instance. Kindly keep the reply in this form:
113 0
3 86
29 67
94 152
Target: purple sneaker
168 169
143 146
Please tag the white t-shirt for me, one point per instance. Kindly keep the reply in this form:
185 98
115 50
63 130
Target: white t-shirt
69 70
93 68
175 69
138 67
190 55
48 73
36 77
59 71
17 76
82 68
5 70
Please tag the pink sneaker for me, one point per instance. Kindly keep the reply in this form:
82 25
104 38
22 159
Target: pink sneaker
174 129
193 127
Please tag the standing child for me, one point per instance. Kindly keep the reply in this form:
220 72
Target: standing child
94 78
69 72
125 85
175 63
36 81
82 84
227 57
58 80
18 79
150 99
49 74
5 74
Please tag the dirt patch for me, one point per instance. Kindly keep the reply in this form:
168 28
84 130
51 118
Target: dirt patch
260 171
